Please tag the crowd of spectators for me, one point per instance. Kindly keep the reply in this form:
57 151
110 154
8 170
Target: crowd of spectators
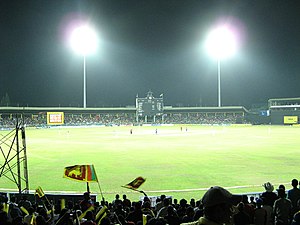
203 118
217 206
118 119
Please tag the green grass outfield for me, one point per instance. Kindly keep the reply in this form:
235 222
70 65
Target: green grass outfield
178 163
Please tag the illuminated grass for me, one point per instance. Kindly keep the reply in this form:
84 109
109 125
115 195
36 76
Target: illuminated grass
176 160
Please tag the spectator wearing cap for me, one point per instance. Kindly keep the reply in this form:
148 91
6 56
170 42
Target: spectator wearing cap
282 209
294 195
269 196
218 207
281 186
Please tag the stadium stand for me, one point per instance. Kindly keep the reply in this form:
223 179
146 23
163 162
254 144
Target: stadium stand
68 209
37 117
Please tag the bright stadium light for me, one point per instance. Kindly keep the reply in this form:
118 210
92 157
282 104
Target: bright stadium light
221 44
84 41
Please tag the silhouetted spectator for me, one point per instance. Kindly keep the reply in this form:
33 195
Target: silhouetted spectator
282 209
137 214
260 214
189 215
241 218
126 202
117 201
294 195
146 209
172 217
269 196
159 203
87 202
181 211
164 210
218 207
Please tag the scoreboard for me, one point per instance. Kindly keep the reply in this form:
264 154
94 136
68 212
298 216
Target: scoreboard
55 118
149 106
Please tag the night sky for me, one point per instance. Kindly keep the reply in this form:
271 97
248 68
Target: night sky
147 45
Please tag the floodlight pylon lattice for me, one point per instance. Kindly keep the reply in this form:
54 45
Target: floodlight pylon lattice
14 167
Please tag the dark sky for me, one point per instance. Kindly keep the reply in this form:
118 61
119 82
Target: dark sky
148 45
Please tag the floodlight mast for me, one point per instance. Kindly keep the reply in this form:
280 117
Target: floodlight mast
220 44
84 82
84 41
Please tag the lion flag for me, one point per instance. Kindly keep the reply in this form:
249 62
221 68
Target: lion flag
85 173
136 183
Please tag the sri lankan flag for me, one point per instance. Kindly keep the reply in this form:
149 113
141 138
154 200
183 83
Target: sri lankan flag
136 183
85 173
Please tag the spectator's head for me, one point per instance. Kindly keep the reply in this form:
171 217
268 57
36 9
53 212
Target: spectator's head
170 210
183 202
268 187
218 204
281 193
147 205
295 183
86 195
241 206
166 202
259 202
281 186
146 199
137 206
245 199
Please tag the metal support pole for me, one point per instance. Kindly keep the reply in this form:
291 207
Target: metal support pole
219 83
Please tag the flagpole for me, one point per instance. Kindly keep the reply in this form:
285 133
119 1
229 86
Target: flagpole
136 190
98 184
88 187
100 190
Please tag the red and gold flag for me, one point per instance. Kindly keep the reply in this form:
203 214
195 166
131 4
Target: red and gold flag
85 173
136 183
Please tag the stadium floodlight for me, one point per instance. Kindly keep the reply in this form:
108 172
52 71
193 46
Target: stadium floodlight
221 44
84 41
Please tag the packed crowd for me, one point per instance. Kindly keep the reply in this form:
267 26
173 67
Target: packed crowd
110 119
217 206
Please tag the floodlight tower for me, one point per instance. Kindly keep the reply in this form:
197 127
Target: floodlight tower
221 44
84 41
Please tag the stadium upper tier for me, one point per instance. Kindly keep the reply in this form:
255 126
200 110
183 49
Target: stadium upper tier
131 109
